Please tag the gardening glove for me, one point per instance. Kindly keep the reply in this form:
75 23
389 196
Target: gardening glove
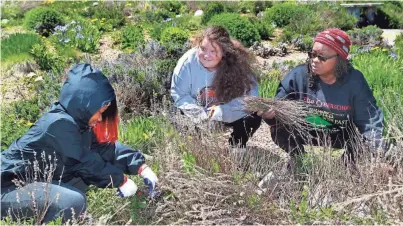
150 179
128 188
215 113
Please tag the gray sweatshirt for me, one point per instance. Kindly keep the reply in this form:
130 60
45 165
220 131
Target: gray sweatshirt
191 92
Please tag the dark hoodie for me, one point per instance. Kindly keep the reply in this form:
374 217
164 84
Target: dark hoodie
336 107
64 132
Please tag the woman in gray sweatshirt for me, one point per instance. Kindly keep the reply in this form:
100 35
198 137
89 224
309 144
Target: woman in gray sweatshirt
338 96
209 81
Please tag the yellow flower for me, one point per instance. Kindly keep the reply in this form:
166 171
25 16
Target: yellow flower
145 136
29 123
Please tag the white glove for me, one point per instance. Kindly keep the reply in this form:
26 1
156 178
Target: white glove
127 189
215 113
149 176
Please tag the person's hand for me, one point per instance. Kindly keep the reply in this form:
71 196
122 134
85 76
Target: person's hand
214 113
269 114
150 179
128 188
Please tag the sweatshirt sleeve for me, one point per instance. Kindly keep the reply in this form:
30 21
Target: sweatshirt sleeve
88 165
232 110
181 93
368 117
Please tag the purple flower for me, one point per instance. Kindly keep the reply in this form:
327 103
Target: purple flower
80 36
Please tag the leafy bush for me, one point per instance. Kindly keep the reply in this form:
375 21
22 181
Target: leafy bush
392 14
43 20
265 30
174 36
238 26
46 59
186 22
16 120
253 6
109 15
284 13
399 45
132 37
171 6
211 10
370 35
80 34
17 47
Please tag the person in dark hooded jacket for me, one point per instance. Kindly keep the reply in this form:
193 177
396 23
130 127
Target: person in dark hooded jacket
80 133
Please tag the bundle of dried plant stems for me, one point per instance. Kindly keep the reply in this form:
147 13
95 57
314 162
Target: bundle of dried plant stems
288 112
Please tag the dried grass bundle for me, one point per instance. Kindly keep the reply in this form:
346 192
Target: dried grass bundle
289 112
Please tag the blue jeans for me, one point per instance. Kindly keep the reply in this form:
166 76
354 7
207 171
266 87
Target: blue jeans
58 199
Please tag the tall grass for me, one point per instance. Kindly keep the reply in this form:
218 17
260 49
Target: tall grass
384 76
142 133
16 48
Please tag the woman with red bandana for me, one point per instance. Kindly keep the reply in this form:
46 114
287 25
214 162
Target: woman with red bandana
339 98
80 131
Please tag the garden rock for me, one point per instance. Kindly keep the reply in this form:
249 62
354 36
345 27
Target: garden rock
265 51
199 12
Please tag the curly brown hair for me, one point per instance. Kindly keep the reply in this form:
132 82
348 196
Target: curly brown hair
234 75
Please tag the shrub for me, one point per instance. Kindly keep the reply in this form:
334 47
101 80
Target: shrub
11 12
174 36
108 15
282 14
238 26
253 6
370 35
265 30
17 47
399 45
47 60
43 20
170 6
211 10
391 15
16 120
132 37
80 34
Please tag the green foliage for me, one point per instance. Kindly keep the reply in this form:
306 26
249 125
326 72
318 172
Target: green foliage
79 34
43 20
393 13
11 12
268 87
165 66
16 48
382 73
174 35
189 162
47 60
399 45
143 133
170 6
265 30
132 37
370 35
16 120
108 15
283 14
186 22
212 9
254 7
238 26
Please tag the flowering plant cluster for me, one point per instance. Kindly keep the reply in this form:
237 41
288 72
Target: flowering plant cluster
79 34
